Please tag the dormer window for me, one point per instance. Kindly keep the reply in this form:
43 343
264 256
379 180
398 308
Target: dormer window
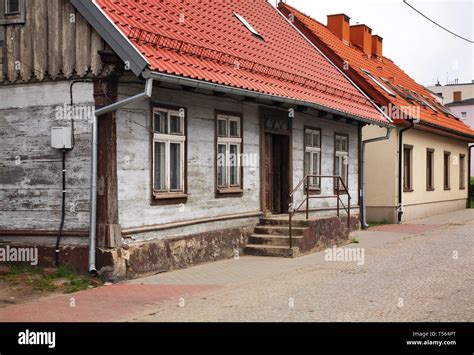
12 12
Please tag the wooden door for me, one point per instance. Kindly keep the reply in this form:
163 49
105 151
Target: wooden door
267 174
277 174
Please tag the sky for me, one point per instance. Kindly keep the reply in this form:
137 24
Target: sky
423 50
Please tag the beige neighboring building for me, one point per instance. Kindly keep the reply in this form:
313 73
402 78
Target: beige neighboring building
434 175
421 170
453 92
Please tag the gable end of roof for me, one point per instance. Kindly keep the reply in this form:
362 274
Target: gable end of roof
111 35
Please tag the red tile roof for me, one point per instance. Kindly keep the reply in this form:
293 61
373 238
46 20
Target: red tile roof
204 40
381 68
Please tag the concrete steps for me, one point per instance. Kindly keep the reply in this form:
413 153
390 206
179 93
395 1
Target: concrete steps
265 250
272 240
271 235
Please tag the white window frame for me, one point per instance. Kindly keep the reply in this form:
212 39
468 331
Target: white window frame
168 139
343 158
313 150
229 141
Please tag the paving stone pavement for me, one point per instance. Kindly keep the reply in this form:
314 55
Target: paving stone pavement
410 274
421 273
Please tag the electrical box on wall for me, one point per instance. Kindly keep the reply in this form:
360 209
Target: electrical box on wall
61 138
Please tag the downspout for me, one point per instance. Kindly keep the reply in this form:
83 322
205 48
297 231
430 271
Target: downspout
372 140
95 143
400 168
63 200
469 186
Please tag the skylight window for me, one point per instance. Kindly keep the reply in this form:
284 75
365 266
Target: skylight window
442 108
382 86
248 26
393 87
423 101
407 93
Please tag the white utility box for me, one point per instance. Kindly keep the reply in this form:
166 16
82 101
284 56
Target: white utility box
61 138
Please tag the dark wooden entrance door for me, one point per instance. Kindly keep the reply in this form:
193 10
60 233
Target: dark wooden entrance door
276 173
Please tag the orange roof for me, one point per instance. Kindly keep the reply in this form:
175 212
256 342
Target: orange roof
382 69
205 40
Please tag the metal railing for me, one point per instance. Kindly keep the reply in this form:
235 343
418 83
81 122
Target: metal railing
338 183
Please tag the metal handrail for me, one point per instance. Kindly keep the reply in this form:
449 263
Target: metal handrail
338 180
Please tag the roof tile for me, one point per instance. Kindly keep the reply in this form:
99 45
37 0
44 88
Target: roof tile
204 40
381 68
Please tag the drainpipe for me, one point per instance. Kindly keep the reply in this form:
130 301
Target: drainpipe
372 140
95 143
400 168
469 186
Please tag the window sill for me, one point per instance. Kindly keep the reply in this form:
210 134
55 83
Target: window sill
462 188
12 19
169 195
313 191
447 189
229 192
430 189
168 198
407 190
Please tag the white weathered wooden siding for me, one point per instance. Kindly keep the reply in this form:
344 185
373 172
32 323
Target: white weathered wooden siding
30 170
133 127
328 130
133 148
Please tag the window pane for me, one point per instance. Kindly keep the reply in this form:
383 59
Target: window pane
344 171
344 144
13 6
428 170
222 128
234 165
161 122
462 173
309 139
160 170
175 125
316 140
446 170
234 129
307 163
407 166
221 165
175 166
338 143
315 171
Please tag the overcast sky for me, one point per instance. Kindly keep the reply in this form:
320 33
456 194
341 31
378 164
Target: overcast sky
420 48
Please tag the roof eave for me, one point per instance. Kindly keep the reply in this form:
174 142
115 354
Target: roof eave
230 90
468 137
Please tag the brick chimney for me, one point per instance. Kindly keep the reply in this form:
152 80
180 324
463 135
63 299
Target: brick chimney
339 25
377 45
361 35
